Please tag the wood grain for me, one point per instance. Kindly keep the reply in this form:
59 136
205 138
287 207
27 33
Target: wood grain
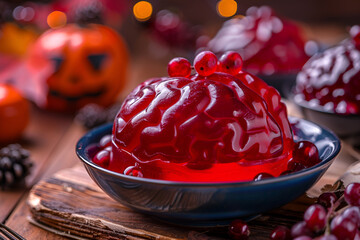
41 138
70 202
86 211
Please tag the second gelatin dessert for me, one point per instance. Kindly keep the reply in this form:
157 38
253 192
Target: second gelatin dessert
268 43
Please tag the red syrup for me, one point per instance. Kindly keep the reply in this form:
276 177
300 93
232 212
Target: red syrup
331 80
213 128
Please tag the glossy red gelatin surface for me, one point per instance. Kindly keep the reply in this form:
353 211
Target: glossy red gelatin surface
202 129
331 80
267 43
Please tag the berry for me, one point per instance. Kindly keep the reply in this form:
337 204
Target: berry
300 229
133 171
92 150
306 153
281 233
343 228
352 213
352 194
239 230
230 62
179 67
105 141
102 158
205 63
315 217
294 165
327 199
262 176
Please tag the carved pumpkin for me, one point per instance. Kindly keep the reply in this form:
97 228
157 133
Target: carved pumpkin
87 65
14 114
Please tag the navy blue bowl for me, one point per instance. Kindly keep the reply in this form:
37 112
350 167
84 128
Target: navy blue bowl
347 127
208 204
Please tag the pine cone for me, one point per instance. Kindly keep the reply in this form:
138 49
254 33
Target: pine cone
14 165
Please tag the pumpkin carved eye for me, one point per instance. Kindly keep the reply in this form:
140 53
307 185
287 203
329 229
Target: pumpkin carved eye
96 60
57 62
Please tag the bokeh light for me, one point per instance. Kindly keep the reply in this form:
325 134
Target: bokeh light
21 13
142 10
226 8
56 19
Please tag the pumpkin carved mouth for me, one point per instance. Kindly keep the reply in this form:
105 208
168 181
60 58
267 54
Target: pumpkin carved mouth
93 94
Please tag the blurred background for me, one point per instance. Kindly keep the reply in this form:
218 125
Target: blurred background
156 31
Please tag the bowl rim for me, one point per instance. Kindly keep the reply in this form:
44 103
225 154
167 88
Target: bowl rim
305 104
80 152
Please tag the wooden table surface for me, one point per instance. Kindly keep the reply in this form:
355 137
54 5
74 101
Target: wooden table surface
51 139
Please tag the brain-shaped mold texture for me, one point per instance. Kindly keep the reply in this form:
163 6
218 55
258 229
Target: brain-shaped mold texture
231 127
267 43
331 80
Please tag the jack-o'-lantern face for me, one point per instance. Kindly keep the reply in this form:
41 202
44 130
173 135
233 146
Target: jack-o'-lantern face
89 65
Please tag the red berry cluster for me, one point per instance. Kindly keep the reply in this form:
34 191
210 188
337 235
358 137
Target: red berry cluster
324 220
335 216
205 64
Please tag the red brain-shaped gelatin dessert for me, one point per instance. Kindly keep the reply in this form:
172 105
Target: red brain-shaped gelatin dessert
229 127
268 43
331 80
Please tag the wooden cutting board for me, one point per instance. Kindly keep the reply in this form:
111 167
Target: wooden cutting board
71 204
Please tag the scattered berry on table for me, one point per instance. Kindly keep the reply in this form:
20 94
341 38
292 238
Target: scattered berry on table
239 230
280 233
